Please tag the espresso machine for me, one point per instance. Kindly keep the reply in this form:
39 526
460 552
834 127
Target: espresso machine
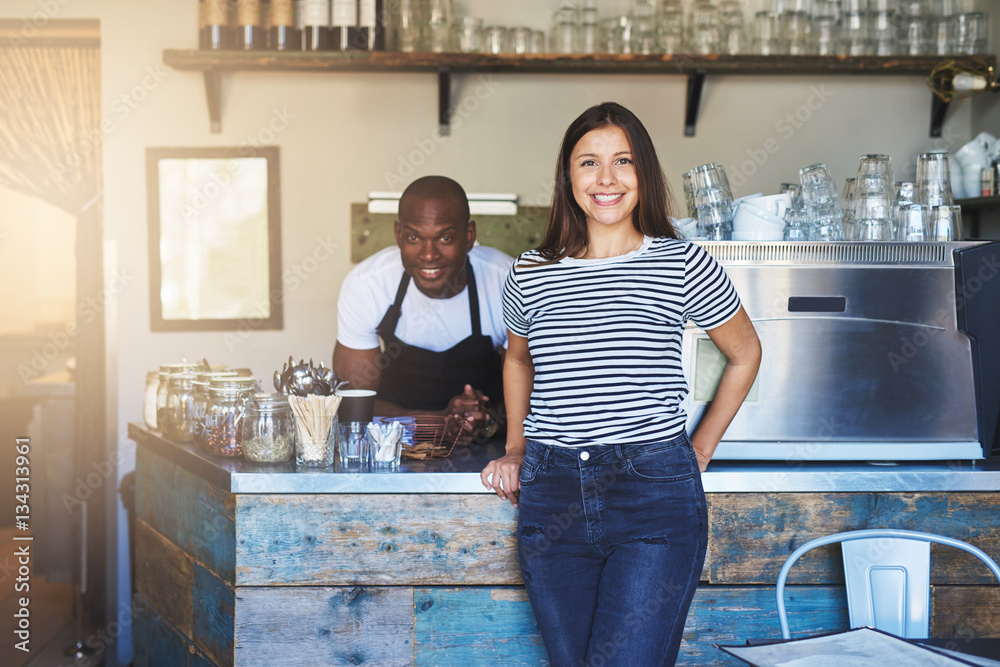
871 351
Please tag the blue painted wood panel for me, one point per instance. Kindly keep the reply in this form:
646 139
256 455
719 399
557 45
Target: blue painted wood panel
311 626
157 643
187 510
214 615
751 534
374 539
462 627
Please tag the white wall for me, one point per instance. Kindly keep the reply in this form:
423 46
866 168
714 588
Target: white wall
346 132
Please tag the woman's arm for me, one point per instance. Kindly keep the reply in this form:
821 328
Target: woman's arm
518 379
738 342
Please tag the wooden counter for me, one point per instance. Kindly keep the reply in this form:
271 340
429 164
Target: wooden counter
397 576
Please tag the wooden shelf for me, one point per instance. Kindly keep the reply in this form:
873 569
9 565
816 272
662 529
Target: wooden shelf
696 68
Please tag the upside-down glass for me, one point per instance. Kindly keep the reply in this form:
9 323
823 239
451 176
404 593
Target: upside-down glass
874 193
766 40
733 36
520 39
470 34
409 26
496 39
439 30
945 223
822 205
715 214
643 36
915 35
711 175
704 33
934 179
565 37
671 29
913 222
855 37
970 33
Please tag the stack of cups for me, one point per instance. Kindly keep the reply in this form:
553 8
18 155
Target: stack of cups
934 179
905 218
713 202
916 28
874 190
826 27
822 205
855 39
884 27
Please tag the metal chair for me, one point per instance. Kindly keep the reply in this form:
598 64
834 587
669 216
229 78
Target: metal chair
887 573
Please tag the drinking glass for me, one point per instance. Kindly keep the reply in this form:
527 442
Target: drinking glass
765 40
906 193
410 26
822 205
874 191
733 36
943 29
913 223
470 34
671 30
705 30
439 18
715 214
495 39
855 38
688 180
589 29
796 219
916 24
970 33
945 223
520 39
711 175
643 37
565 31
934 179
884 28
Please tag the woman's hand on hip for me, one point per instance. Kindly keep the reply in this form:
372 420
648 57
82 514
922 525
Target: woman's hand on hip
505 471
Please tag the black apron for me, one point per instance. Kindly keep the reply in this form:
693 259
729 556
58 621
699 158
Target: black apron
419 379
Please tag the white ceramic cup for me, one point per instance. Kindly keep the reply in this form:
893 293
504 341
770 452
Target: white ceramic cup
749 218
774 204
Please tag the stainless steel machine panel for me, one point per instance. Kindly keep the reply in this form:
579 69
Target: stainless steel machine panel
862 355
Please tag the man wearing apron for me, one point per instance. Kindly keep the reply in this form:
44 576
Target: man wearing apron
434 304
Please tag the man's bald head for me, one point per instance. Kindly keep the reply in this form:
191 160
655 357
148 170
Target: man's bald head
436 188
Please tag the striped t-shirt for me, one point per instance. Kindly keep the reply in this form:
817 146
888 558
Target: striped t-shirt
605 339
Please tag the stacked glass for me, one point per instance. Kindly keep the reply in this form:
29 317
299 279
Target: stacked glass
822 204
916 27
906 194
847 206
796 218
671 27
884 28
933 179
874 190
733 36
797 27
855 37
713 202
826 27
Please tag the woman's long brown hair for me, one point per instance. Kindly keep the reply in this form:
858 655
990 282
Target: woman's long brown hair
567 232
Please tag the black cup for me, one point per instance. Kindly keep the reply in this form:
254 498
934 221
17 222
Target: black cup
356 405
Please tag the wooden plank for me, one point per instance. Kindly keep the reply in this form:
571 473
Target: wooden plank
324 627
187 510
580 63
733 614
965 611
753 534
157 643
214 614
358 539
475 626
164 576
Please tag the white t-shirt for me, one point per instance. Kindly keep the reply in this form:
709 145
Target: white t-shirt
432 324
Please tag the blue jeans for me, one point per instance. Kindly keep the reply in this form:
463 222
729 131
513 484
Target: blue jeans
612 541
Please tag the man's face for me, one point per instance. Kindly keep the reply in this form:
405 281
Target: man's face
434 239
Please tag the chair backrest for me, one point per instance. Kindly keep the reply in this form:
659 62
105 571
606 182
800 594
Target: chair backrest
888 578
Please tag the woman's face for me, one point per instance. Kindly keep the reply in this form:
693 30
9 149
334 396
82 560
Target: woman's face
603 177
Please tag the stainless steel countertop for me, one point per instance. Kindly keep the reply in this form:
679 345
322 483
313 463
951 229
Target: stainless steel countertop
460 474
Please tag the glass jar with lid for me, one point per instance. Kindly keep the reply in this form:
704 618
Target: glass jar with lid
198 426
175 420
161 389
227 399
268 431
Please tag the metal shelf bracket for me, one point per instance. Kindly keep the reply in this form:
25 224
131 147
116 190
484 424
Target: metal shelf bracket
696 81
444 101
213 92
938 110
